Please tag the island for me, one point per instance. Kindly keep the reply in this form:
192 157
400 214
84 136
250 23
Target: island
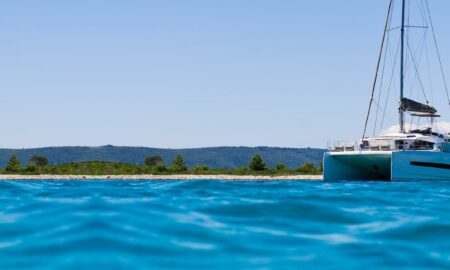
153 168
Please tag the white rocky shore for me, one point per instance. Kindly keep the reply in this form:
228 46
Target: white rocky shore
161 177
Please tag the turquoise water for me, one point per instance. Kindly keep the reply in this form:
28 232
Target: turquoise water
224 225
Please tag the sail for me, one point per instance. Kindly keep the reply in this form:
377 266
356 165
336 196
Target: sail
411 106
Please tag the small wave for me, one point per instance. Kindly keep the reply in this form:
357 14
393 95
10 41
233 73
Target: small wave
64 200
194 245
381 226
196 218
10 218
127 200
334 239
267 231
361 210
9 244
258 201
418 232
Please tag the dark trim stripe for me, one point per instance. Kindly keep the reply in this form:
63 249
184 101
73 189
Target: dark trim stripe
431 165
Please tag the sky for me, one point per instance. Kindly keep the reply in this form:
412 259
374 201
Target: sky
184 74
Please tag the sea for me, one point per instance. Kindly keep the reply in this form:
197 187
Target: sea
206 224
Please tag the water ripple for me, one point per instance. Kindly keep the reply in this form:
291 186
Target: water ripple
224 225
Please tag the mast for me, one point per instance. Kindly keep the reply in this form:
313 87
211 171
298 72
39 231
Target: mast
402 63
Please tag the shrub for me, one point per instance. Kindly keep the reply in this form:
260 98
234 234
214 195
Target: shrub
200 169
160 168
280 167
241 171
31 167
307 168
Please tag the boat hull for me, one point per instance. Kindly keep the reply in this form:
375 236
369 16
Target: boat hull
379 165
420 165
357 165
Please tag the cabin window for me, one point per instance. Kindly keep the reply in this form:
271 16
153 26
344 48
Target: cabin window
422 145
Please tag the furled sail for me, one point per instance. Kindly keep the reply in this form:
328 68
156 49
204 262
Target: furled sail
416 108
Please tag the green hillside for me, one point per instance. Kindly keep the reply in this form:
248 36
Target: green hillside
214 157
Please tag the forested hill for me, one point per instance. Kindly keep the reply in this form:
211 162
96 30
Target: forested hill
214 157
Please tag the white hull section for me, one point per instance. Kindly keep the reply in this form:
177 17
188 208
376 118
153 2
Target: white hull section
387 165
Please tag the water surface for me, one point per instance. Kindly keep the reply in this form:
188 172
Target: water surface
224 225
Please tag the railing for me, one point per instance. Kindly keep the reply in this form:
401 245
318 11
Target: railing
386 145
343 146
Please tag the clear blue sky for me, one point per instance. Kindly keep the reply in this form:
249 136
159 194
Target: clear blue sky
193 73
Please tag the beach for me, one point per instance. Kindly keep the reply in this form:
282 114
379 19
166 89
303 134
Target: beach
162 177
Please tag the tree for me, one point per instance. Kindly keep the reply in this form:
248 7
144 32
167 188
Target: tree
307 168
257 164
14 165
178 164
281 167
153 161
39 161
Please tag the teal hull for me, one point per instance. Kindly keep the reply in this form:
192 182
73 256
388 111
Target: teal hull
357 166
397 165
419 165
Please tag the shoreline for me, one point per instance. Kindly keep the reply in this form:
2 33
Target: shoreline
163 177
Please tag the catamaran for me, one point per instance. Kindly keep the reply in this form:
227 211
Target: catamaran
412 151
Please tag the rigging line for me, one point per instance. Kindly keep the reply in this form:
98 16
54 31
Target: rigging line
420 47
390 118
418 55
393 52
382 78
390 85
438 53
379 94
390 122
407 35
418 50
427 56
378 67
407 26
436 126
422 13
429 73
417 73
